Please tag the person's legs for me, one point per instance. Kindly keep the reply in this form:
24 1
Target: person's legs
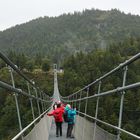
60 128
57 128
68 131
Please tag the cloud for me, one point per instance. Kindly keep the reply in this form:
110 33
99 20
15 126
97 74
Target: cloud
18 11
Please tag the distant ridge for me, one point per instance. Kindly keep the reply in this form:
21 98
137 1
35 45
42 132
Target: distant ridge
58 37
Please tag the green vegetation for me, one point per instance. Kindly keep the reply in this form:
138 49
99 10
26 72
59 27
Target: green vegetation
59 37
8 116
87 45
82 69
28 64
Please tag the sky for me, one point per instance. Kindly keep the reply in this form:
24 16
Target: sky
13 12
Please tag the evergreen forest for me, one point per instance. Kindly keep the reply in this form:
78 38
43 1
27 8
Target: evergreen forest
86 45
59 37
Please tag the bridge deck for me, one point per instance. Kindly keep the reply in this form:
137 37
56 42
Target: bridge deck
52 135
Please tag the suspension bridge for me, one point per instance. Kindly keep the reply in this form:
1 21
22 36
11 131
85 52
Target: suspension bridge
86 127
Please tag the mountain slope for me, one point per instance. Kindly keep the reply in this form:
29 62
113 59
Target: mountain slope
58 37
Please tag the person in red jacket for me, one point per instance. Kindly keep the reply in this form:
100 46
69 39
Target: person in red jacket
58 116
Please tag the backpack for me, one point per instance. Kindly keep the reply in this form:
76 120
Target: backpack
65 116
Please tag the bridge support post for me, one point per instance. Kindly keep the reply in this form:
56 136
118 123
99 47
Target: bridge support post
75 99
37 101
41 101
96 113
121 102
85 112
45 104
16 100
68 100
72 98
33 114
80 102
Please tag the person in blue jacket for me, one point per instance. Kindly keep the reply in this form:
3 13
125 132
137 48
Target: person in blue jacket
71 120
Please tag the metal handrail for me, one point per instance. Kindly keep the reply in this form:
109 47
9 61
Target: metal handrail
122 65
27 127
19 91
117 90
110 125
14 67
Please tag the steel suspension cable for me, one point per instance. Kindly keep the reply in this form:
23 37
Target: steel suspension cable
122 65
119 91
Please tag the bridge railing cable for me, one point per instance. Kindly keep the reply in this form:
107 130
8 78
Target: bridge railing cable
32 123
32 92
83 95
121 66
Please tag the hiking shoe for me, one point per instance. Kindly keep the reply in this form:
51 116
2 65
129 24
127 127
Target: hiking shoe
72 137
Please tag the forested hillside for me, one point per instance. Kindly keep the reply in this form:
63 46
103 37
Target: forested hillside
79 70
88 44
82 69
58 37
8 115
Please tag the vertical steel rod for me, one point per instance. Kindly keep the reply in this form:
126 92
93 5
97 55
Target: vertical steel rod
86 101
96 113
37 101
68 98
76 102
72 98
16 100
41 101
85 113
33 114
44 102
80 102
75 119
121 103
